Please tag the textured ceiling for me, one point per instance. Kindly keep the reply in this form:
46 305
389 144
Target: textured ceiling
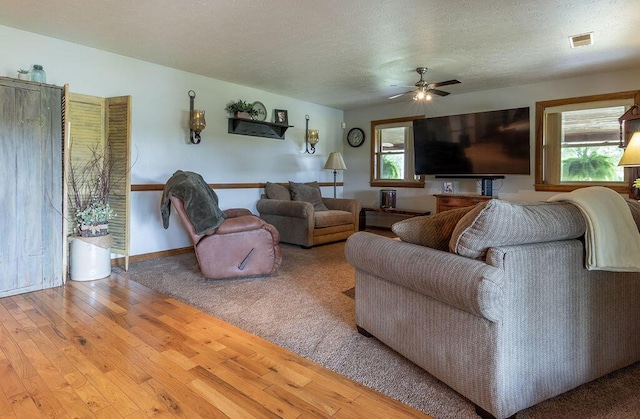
349 53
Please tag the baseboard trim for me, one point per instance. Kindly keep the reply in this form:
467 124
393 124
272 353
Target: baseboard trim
153 255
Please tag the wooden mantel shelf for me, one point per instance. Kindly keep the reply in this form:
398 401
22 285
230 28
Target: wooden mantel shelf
255 128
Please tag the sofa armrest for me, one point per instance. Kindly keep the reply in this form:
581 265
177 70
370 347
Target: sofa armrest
351 205
468 284
239 224
297 209
237 212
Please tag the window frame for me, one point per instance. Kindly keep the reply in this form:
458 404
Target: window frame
540 183
408 154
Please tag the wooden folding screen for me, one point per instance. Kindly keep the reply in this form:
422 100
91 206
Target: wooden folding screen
94 122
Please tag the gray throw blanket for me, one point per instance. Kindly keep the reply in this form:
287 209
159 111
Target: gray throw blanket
200 201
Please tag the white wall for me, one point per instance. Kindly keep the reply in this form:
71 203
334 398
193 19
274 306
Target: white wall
160 133
514 187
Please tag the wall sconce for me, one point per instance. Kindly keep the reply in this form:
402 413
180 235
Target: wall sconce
310 138
196 120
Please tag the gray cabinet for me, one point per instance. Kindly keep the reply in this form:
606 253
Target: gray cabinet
31 223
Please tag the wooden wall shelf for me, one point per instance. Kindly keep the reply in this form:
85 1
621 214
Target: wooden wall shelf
254 128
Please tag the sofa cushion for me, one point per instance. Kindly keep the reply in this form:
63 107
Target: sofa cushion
308 192
430 230
277 191
502 223
332 218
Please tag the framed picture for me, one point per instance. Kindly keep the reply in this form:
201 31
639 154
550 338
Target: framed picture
280 117
447 187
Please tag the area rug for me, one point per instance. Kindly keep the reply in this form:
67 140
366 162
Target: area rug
307 309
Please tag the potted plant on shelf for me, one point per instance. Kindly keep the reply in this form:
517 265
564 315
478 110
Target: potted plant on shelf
23 74
241 109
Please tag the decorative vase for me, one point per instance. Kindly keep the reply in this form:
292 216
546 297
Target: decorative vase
95 229
23 76
38 74
89 257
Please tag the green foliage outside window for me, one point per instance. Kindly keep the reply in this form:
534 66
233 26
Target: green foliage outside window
391 166
585 164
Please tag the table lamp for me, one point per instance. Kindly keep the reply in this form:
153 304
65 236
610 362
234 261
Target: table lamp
631 156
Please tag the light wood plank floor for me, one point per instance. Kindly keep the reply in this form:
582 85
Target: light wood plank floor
113 348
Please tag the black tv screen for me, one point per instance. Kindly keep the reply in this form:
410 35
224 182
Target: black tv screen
474 144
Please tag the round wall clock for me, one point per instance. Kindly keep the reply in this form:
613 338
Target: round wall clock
262 111
355 137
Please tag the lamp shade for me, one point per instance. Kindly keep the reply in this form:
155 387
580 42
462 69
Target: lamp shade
335 162
631 156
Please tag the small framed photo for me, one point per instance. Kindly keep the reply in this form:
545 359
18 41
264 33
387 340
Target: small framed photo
280 116
447 187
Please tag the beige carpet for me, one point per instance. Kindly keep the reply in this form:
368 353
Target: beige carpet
304 308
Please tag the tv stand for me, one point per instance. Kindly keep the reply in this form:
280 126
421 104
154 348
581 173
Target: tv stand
446 202
486 181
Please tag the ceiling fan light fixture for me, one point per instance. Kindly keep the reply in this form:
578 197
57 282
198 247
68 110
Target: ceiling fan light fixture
421 94
424 90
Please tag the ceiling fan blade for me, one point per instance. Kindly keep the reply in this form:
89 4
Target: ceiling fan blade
444 83
438 92
400 94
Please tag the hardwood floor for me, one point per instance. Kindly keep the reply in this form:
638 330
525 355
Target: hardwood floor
113 348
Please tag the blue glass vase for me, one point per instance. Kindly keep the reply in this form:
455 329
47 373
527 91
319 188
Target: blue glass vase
38 74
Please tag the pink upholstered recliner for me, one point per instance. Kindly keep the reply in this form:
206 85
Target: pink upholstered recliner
243 245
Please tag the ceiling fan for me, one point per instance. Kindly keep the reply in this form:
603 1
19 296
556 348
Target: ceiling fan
425 89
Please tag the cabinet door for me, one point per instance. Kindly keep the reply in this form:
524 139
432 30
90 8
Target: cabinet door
31 187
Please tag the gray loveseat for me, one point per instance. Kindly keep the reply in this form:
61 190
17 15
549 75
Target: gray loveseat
507 316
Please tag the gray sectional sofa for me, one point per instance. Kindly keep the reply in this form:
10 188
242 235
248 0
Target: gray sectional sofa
494 301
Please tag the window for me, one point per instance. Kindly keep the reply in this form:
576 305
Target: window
392 162
577 142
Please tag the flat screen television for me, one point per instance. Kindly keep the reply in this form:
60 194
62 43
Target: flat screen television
482 145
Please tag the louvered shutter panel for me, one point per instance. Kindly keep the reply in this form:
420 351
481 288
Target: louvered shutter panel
118 133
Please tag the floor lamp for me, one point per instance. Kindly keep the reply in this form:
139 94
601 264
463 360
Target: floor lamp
335 162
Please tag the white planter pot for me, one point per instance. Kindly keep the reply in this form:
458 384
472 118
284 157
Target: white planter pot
87 260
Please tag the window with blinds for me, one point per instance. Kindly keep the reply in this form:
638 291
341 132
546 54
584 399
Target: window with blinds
392 155
578 142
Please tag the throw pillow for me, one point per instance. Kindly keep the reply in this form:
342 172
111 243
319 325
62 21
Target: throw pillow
277 191
308 193
502 223
432 231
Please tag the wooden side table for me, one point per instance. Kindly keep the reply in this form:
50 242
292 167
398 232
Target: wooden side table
449 201
397 211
